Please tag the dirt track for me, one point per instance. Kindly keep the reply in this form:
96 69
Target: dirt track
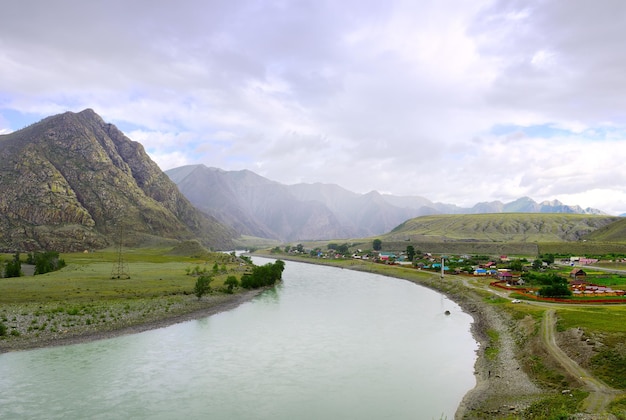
600 394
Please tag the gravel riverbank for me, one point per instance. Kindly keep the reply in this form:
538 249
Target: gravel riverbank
117 318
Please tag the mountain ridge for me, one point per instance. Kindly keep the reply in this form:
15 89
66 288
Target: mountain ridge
334 209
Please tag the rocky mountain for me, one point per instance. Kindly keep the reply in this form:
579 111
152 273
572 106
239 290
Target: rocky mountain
256 206
253 205
73 182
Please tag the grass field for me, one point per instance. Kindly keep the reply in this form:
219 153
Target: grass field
84 297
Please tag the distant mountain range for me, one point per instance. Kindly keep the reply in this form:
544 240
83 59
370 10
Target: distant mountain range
73 182
256 206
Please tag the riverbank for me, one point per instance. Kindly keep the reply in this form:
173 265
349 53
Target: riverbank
153 314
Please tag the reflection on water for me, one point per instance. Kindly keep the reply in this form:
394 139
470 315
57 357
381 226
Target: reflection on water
326 343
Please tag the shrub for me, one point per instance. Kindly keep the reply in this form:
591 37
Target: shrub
203 286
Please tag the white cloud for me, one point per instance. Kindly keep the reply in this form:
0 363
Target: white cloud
397 96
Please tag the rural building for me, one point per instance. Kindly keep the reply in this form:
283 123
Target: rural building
578 274
505 276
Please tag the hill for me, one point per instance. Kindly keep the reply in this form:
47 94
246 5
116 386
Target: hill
72 182
615 232
500 227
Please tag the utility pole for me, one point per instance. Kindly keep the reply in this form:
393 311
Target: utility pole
120 268
443 263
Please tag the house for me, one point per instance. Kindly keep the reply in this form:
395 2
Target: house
480 272
578 274
505 276
386 256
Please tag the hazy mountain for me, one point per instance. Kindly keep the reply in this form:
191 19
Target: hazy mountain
71 181
256 206
253 205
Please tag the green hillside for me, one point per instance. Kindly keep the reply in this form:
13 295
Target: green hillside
503 227
614 232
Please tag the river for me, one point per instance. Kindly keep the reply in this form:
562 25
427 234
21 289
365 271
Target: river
326 343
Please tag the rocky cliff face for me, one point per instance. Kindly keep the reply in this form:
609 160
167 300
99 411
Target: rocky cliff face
71 181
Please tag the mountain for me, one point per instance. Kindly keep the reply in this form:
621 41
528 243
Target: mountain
253 205
74 182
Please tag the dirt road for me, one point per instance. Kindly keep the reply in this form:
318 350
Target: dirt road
600 394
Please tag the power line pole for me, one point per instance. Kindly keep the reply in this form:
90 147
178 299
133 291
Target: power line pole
120 268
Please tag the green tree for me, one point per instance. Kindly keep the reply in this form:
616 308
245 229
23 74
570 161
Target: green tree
343 249
410 252
45 262
265 275
231 282
516 265
555 290
377 244
203 286
13 268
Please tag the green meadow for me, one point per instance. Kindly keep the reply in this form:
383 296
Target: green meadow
84 298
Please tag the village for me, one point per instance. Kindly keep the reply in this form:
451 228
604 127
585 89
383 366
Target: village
576 279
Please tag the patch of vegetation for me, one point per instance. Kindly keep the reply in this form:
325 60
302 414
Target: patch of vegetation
13 268
618 408
557 407
262 276
45 262
610 366
492 349
544 375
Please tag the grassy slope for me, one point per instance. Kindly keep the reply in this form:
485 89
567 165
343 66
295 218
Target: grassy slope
500 227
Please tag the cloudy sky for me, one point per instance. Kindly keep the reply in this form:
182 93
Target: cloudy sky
456 101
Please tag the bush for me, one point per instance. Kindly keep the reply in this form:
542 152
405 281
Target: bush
13 268
231 282
203 286
3 329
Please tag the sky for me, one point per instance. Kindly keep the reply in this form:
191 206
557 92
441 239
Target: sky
456 101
